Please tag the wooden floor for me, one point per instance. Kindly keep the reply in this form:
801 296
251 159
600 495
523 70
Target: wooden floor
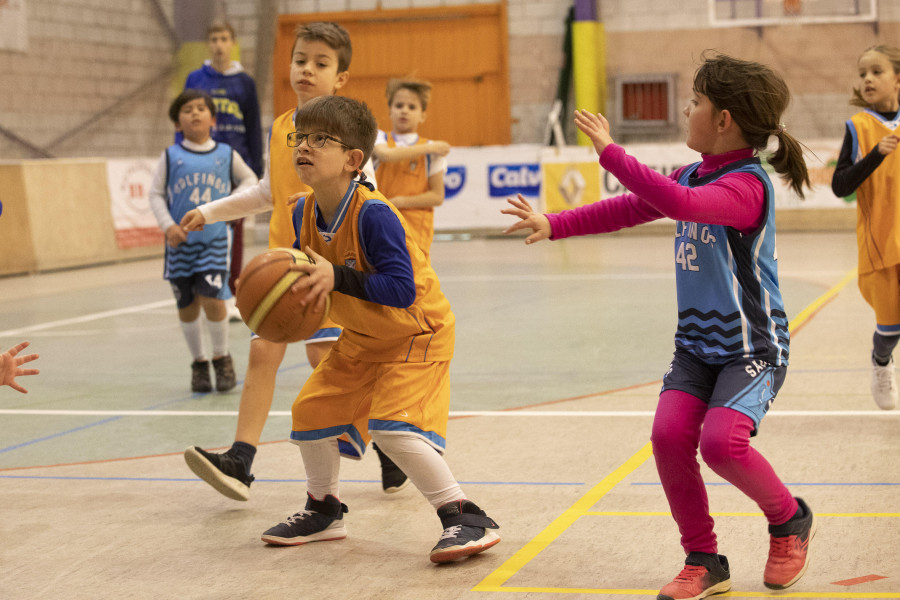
560 352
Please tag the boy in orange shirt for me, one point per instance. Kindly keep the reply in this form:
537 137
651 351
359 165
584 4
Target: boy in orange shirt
388 376
410 169
320 58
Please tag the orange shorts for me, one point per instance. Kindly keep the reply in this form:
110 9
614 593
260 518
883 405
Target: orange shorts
881 289
346 398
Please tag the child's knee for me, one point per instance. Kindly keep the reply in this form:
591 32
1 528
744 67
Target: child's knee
716 450
666 439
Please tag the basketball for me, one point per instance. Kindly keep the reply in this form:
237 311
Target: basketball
266 304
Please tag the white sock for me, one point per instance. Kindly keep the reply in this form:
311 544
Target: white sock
193 334
424 466
323 464
218 333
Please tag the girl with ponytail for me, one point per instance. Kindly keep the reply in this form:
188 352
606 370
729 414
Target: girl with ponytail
732 341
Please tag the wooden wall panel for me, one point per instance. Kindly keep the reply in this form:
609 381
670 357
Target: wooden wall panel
462 51
56 215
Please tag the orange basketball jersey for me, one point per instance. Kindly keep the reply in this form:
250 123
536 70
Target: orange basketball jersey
407 178
878 197
284 182
374 332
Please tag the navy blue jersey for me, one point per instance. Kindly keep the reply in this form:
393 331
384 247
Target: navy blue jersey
237 111
729 303
192 179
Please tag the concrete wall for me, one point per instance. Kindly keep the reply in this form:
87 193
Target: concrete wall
85 56
96 78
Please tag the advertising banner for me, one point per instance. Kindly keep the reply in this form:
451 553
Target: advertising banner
129 182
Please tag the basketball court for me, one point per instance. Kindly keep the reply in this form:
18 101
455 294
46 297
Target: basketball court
560 352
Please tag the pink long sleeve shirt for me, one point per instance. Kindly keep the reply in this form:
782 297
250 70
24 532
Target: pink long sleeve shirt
736 200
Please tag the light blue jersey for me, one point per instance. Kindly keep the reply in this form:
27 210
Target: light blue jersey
729 304
192 179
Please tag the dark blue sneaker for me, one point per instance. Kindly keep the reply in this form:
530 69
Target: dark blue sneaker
321 521
464 531
225 473
392 478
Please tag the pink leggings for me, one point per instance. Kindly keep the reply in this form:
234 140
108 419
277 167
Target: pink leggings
684 423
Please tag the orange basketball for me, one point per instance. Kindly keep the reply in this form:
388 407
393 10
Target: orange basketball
266 304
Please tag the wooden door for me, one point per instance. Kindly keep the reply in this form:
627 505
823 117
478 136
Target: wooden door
462 51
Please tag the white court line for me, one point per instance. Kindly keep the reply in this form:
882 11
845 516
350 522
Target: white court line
87 318
459 413
447 279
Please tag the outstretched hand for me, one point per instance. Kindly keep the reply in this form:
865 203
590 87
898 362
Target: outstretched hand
595 127
528 219
318 285
10 366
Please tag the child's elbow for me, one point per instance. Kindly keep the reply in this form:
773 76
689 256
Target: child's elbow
408 294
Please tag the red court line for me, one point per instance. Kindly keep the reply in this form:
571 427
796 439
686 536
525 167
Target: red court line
167 454
858 580
123 458
526 407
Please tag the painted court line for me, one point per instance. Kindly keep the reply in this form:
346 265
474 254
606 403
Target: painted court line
87 318
258 480
496 580
453 413
665 513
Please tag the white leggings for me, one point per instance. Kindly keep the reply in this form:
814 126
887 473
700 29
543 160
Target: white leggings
424 466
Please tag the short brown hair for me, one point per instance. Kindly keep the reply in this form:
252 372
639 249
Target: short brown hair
185 97
217 26
332 35
422 89
345 118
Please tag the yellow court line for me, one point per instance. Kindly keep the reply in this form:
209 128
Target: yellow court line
495 580
622 513
810 310
732 594
501 575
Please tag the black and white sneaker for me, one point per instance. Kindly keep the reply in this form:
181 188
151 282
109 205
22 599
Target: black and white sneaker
321 521
392 478
222 471
464 531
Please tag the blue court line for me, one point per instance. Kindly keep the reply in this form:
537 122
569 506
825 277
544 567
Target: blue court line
796 483
197 480
167 403
56 435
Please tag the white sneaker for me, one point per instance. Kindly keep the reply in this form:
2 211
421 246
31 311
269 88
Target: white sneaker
233 313
884 385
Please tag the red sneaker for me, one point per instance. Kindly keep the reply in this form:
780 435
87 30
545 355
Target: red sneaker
789 549
703 575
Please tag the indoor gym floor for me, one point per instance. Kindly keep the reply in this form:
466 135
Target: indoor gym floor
560 352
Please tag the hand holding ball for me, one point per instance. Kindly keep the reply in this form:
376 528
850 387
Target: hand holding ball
266 303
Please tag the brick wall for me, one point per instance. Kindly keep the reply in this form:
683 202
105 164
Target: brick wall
86 56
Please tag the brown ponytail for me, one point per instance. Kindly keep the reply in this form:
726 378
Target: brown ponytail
756 97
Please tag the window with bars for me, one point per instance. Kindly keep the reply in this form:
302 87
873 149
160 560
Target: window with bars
645 102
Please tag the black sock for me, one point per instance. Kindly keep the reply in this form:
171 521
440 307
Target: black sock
882 347
245 453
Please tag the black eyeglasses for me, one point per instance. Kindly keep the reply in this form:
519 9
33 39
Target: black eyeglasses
313 140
